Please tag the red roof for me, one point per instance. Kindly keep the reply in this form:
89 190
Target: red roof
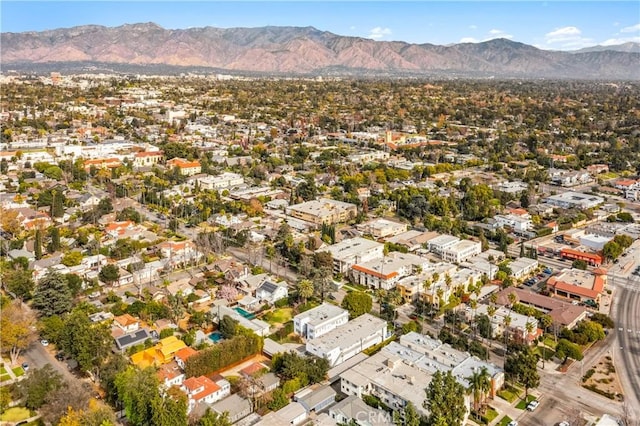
194 383
252 369
571 252
374 273
184 353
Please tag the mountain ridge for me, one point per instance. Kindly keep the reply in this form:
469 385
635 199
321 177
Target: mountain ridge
305 51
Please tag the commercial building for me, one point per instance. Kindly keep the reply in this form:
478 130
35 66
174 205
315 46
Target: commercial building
347 253
571 199
323 210
320 320
576 284
592 259
562 313
348 340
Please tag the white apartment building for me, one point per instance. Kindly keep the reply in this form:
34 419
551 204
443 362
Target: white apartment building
348 340
439 244
320 320
386 272
461 251
517 223
347 253
522 267
323 210
518 323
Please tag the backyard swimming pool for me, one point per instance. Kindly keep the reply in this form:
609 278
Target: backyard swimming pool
215 337
247 315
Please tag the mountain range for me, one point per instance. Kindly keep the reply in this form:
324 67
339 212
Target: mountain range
304 51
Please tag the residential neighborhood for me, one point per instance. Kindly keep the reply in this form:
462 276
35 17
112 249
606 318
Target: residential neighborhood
173 248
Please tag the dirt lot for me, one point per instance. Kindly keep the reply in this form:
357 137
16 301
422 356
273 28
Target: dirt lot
602 378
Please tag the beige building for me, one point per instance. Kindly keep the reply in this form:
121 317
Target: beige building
323 210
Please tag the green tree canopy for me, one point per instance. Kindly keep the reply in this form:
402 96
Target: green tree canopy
445 400
109 273
52 296
357 303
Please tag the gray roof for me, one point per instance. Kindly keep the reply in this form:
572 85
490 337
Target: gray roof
130 339
311 399
233 405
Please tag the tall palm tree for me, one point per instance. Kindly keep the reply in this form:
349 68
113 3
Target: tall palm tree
479 386
473 303
427 286
506 322
491 311
513 298
530 328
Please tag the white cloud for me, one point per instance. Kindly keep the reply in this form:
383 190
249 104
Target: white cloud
352 28
615 41
497 34
567 38
631 29
379 32
468 40
473 27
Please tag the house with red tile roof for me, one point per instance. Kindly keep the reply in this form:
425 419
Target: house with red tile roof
183 355
186 168
147 158
170 375
204 390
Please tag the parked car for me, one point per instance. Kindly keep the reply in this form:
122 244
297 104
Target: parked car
533 405
564 423
44 342
25 366
513 423
60 356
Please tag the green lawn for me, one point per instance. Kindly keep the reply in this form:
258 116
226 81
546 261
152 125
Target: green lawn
4 377
504 421
490 414
508 395
549 342
3 370
279 316
523 403
18 371
15 414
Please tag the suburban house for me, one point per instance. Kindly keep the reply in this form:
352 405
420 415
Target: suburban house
178 252
162 353
235 406
271 292
170 375
127 340
204 390
126 323
320 320
316 398
293 414
182 355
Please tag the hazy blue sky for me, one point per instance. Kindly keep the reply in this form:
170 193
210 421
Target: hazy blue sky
546 24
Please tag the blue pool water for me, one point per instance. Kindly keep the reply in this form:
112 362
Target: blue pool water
215 337
247 315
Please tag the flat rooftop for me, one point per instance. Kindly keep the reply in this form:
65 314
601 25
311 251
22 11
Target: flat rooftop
319 314
351 247
345 336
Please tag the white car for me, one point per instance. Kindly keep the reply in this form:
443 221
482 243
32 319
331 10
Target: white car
513 423
564 423
44 342
533 405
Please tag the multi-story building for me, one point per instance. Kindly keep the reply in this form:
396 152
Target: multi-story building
385 273
323 210
204 390
221 181
348 340
147 158
571 199
518 327
461 251
320 320
399 373
347 253
186 168
382 228
522 267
